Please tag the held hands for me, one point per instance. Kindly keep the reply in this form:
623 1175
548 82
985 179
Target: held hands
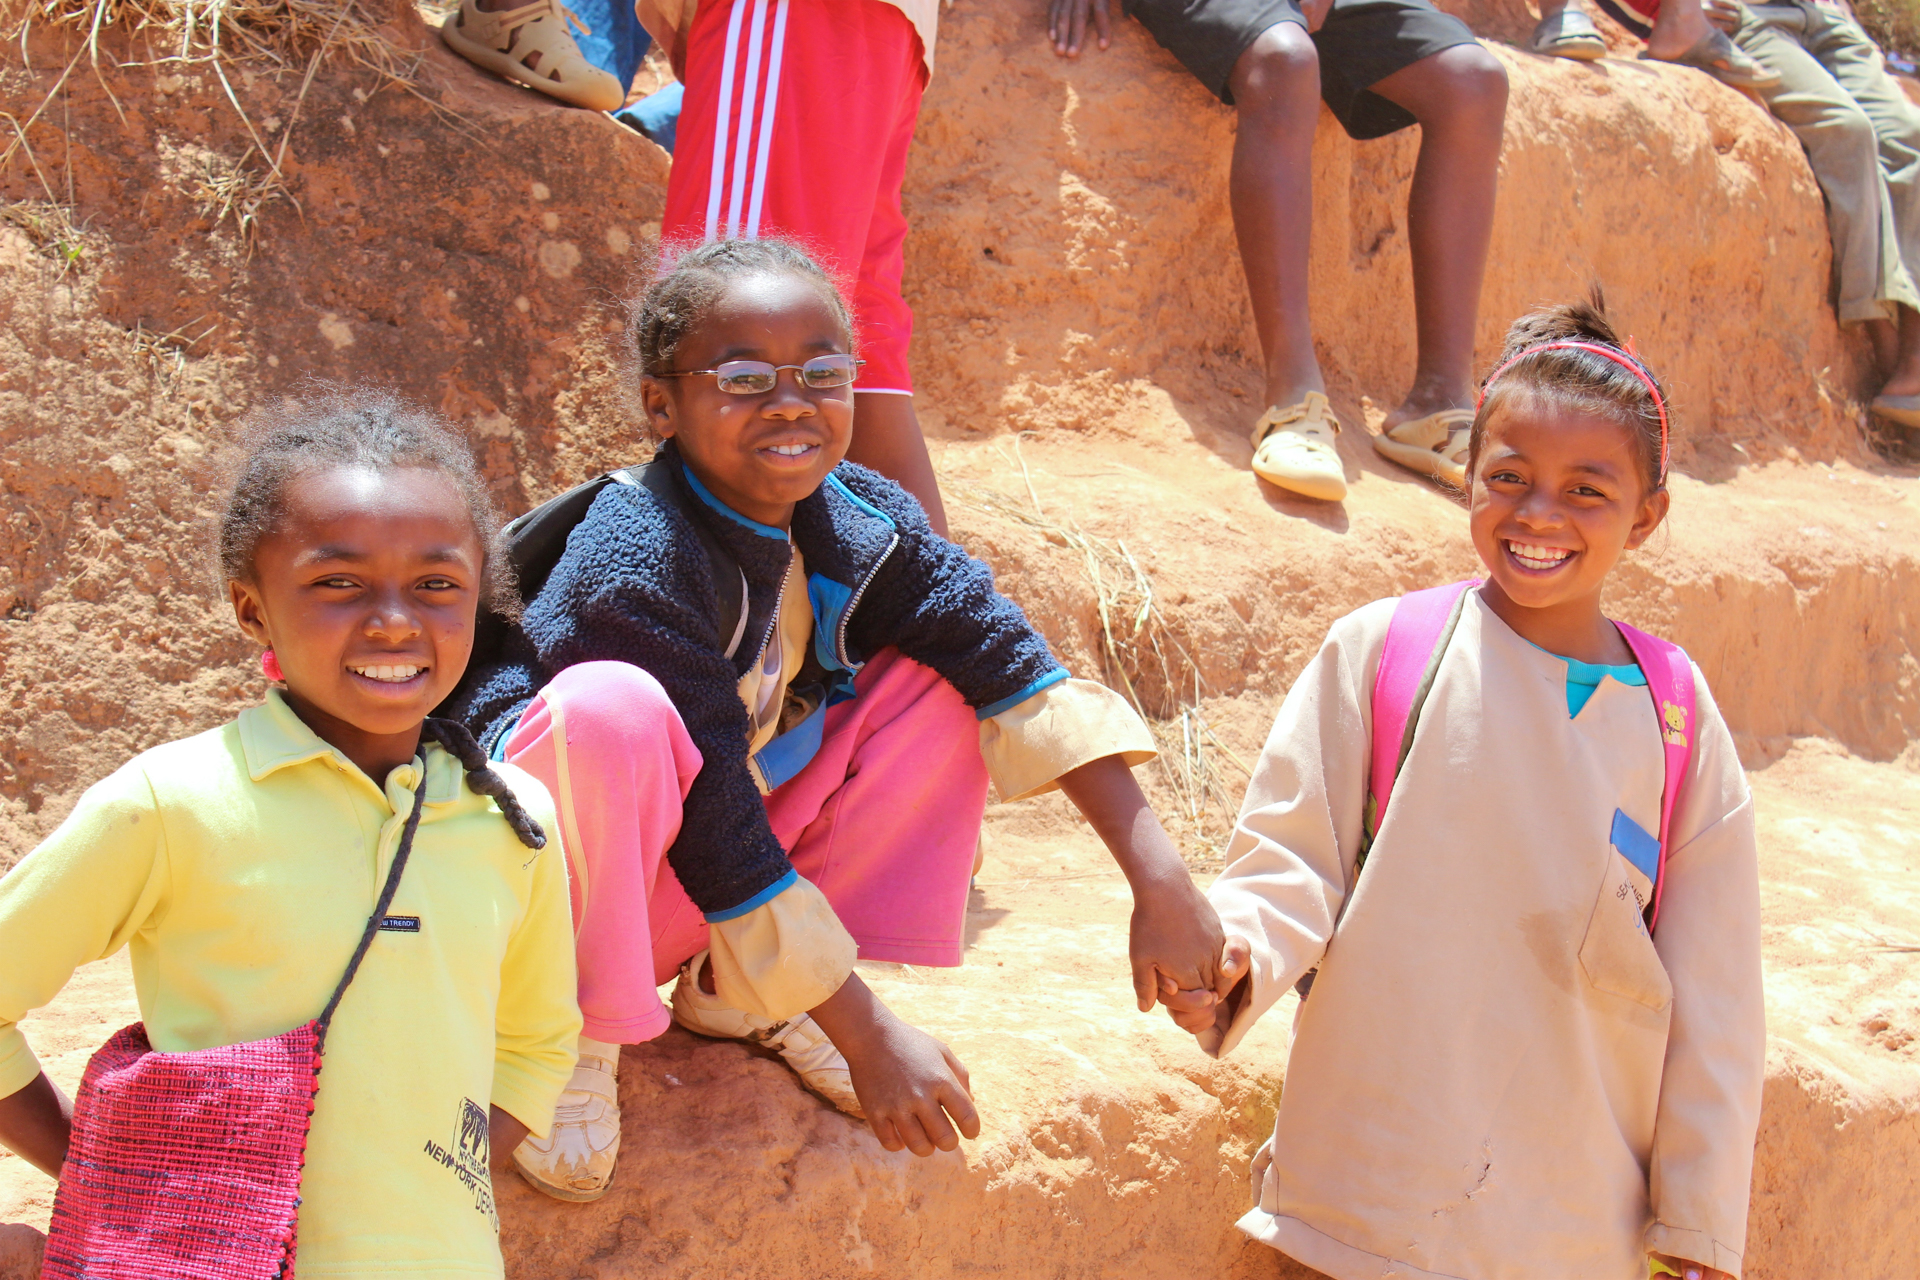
1686 1270
1724 14
908 1083
1199 1009
1175 939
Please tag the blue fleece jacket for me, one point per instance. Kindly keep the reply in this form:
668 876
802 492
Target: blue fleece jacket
636 585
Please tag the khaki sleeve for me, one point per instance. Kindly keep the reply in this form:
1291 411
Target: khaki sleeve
1028 746
1708 936
1292 853
784 955
77 898
536 1029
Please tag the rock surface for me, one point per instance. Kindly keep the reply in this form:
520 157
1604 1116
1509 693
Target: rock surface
1088 370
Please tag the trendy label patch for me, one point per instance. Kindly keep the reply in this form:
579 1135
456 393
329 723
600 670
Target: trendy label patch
400 924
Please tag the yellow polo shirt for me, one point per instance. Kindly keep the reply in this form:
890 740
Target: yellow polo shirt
240 867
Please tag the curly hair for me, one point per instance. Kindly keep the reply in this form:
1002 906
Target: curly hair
1576 380
339 426
688 280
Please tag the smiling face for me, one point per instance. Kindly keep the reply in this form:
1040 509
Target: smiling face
365 590
762 453
1557 497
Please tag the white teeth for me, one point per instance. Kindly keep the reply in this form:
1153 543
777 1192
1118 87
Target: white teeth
791 450
1537 557
389 674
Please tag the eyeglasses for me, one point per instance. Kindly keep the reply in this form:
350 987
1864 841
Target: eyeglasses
757 377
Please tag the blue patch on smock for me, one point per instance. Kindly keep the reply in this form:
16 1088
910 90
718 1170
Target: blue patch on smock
1633 843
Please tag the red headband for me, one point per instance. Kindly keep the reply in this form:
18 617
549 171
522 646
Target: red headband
1625 359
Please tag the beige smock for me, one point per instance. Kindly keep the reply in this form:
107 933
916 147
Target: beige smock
1498 1074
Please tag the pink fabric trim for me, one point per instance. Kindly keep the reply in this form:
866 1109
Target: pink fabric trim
1669 675
898 775
1417 622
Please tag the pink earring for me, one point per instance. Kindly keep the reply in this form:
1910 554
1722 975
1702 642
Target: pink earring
270 666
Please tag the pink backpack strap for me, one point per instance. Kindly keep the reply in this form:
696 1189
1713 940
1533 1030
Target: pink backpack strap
1416 639
1669 675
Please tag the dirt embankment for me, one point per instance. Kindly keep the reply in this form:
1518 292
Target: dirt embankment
1088 369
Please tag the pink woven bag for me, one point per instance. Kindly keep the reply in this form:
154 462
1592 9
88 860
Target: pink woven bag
187 1165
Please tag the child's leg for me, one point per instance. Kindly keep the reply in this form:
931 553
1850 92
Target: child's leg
771 88
1459 97
1855 63
1844 152
1275 88
608 744
886 818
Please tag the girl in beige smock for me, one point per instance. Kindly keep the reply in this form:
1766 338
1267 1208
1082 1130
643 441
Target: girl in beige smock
1499 1073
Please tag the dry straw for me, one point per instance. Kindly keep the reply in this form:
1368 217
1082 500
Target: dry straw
1138 648
185 36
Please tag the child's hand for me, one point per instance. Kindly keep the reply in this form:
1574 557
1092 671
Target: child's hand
908 1083
1175 937
1175 933
1687 1270
1197 1010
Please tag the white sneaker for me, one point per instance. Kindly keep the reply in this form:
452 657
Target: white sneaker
574 1162
799 1039
1294 448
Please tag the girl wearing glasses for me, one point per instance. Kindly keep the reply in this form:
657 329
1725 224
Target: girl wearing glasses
769 700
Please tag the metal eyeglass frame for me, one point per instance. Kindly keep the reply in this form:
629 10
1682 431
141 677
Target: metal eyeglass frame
720 373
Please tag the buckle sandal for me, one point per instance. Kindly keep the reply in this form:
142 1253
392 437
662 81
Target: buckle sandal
1569 33
1293 449
798 1040
1435 445
1717 55
504 41
1904 410
574 1162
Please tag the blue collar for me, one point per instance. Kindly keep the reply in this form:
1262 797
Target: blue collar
706 495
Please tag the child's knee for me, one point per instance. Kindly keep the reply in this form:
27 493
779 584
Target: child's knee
608 697
1476 82
1278 74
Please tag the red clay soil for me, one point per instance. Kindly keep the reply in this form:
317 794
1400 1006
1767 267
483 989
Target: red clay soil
1087 369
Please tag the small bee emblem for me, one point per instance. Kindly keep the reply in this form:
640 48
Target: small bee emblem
1676 723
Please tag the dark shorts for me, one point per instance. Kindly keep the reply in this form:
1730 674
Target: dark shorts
1362 43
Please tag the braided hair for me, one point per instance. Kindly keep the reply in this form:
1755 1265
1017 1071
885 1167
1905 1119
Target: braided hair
482 780
1580 381
689 280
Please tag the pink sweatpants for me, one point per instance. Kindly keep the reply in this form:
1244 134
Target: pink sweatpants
884 820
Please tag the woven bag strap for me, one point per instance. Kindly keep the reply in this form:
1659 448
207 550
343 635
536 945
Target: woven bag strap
400 856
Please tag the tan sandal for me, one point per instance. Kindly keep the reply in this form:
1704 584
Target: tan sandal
1435 445
1294 449
502 42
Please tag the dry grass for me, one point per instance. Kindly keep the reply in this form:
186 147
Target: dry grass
166 353
276 36
236 190
50 226
1142 656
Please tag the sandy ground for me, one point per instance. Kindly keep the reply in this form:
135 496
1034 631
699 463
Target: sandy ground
1066 1133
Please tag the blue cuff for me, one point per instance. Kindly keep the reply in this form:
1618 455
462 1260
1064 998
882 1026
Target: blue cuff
1046 681
758 900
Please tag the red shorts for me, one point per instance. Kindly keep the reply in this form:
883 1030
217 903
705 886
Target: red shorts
796 122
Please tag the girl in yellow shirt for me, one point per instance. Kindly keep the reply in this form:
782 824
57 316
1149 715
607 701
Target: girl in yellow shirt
240 866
